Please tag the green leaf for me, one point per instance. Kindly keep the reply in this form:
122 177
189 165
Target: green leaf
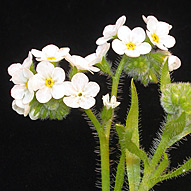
165 76
133 115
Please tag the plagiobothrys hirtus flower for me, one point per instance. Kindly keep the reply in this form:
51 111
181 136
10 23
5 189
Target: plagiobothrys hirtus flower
158 33
131 42
80 92
173 62
110 103
110 31
50 53
48 82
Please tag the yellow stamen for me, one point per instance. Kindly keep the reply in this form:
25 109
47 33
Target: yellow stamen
130 45
49 82
79 94
155 38
51 58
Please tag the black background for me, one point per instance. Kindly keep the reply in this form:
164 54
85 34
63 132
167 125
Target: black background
59 155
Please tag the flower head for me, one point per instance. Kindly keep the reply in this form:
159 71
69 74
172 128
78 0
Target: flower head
82 63
131 42
158 33
110 31
173 62
50 53
17 66
110 103
80 92
48 82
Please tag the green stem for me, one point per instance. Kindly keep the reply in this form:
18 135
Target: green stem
117 75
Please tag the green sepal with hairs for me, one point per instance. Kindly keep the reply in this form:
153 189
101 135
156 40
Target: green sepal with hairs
53 109
146 68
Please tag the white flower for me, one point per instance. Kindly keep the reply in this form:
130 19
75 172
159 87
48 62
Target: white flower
50 53
96 57
146 19
110 103
173 62
17 66
22 90
131 42
110 31
82 63
48 82
23 109
80 92
158 33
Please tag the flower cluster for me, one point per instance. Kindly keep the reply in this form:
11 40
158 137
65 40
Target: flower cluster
42 80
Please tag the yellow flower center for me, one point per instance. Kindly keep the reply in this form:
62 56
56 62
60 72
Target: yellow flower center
49 82
79 94
155 38
130 45
51 58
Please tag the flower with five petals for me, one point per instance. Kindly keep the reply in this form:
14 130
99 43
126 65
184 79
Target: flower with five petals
80 92
50 53
112 103
131 42
48 82
110 31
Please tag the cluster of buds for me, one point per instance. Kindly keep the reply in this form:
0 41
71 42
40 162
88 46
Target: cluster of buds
42 89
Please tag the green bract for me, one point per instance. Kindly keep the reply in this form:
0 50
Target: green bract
146 68
54 109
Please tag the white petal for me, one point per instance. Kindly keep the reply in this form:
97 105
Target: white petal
132 53
58 75
102 50
19 110
79 81
92 58
93 69
137 35
152 25
45 69
80 62
168 41
120 21
28 96
44 95
71 102
109 31
124 34
27 73
36 82
173 63
37 53
58 91
13 68
18 77
69 89
87 103
119 47
63 51
92 89
28 61
162 28
50 50
144 48
17 92
101 40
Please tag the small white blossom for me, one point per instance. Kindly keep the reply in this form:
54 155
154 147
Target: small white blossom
48 82
110 31
173 62
82 63
22 90
80 92
96 57
23 109
158 33
50 53
131 42
110 103
17 66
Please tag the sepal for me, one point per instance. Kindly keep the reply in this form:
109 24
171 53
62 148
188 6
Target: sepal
54 109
